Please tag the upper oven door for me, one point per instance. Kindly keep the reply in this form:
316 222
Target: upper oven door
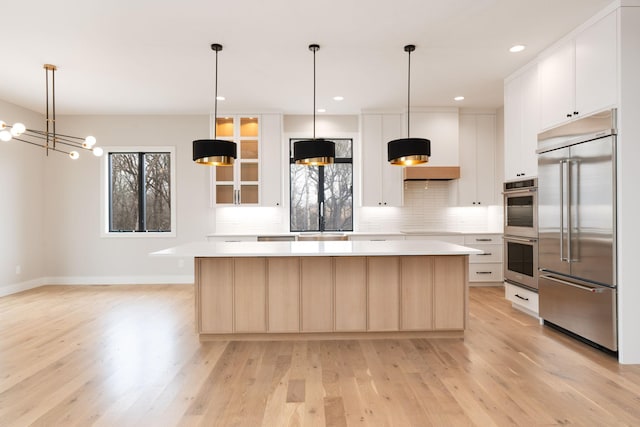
521 212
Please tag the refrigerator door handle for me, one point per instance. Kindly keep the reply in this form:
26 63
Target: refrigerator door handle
575 285
569 210
562 186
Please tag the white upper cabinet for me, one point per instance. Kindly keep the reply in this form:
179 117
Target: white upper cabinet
596 66
521 124
255 177
271 171
440 126
477 183
556 77
579 77
381 181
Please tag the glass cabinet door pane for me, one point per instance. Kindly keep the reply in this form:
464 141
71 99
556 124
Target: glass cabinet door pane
224 173
249 126
249 149
224 194
249 194
224 127
249 172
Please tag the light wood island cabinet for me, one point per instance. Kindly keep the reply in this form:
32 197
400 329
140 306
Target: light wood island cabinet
268 297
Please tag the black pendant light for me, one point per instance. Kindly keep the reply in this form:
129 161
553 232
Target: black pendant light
409 151
314 152
215 152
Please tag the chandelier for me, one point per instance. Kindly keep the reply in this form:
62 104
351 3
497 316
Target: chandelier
49 139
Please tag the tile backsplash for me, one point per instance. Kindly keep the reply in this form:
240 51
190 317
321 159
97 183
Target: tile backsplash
431 206
428 206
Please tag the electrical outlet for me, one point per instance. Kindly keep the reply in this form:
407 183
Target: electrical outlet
18 269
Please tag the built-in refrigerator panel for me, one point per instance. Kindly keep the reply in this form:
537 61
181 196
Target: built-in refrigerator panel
584 309
592 211
553 213
576 213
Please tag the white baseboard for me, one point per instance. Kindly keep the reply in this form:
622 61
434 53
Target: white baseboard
96 280
23 286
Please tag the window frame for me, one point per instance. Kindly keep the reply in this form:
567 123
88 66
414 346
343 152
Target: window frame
337 160
105 198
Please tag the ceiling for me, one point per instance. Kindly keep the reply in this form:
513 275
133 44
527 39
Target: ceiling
154 56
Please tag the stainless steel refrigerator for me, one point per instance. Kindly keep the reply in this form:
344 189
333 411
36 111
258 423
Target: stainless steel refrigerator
576 228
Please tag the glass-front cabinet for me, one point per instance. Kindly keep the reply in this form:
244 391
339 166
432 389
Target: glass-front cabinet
255 179
239 184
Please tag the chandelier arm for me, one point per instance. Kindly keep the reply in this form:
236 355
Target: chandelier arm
42 146
53 94
58 135
61 140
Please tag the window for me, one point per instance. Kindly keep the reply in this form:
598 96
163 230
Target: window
140 196
322 196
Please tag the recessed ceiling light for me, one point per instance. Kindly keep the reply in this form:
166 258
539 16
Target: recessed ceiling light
458 98
338 98
517 48
220 98
321 110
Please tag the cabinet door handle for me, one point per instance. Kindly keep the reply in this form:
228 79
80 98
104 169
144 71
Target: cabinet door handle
484 254
484 272
522 298
569 115
484 240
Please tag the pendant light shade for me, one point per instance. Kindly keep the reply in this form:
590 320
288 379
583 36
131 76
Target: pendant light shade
215 152
314 152
409 151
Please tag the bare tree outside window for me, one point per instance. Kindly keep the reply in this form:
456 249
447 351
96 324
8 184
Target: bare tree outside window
140 192
323 187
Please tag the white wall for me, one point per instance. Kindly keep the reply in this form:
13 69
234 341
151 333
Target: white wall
628 195
22 208
76 252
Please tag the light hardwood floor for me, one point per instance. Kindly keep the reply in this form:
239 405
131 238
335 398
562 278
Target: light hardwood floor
129 356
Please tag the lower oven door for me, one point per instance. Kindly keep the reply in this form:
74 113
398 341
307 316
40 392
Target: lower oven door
585 309
521 261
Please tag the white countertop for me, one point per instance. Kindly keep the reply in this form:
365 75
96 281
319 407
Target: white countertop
315 248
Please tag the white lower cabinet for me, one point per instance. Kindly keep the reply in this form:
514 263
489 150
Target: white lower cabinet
522 299
487 266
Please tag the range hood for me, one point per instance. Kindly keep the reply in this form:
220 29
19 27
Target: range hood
432 173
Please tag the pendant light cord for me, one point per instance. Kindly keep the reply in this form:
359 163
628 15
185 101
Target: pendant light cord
314 93
409 94
215 102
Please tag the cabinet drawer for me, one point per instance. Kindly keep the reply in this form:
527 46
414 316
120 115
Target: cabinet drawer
490 253
486 272
521 298
483 239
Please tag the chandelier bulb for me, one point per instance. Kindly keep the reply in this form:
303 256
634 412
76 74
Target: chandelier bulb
74 155
90 141
5 135
19 129
97 151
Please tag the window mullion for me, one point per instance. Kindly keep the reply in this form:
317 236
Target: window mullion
142 206
321 209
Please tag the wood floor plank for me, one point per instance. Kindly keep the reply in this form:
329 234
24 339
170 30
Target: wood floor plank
129 356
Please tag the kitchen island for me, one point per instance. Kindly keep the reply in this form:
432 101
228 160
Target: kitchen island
328 289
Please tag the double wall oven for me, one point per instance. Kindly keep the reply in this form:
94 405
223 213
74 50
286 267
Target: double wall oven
521 233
